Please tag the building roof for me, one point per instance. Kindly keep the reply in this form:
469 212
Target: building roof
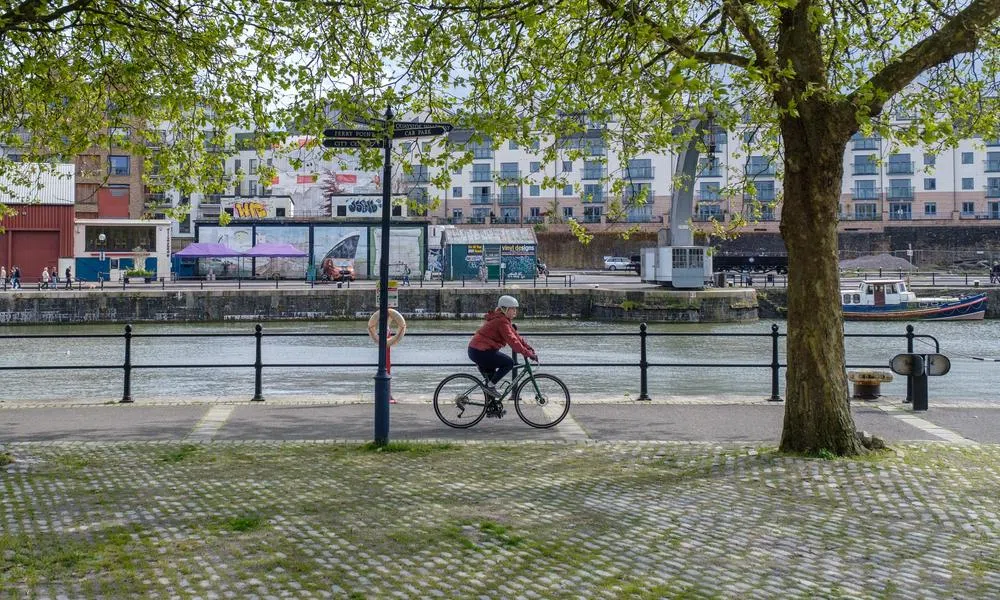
498 235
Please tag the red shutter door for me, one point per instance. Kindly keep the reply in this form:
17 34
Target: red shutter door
33 251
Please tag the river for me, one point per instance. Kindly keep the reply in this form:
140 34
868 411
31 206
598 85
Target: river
970 380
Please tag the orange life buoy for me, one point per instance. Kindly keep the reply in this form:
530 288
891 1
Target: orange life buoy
396 323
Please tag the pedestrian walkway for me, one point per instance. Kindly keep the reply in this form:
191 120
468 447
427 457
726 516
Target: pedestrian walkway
727 421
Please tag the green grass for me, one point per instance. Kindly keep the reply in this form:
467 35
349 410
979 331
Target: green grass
180 454
413 448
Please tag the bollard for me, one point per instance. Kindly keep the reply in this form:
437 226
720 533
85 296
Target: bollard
258 367
127 395
774 365
643 364
909 378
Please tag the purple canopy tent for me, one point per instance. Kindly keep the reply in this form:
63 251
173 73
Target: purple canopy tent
266 250
207 250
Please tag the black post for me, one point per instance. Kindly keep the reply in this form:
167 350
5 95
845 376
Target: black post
643 364
127 395
258 367
774 364
909 378
382 377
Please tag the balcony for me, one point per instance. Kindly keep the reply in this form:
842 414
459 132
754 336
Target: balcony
866 193
509 199
591 218
900 216
506 176
900 193
865 215
759 170
481 176
417 177
899 167
715 171
593 197
534 219
638 173
481 199
482 153
476 220
992 191
864 169
707 197
761 196
593 173
992 166
866 144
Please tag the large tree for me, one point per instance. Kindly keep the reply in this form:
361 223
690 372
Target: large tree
808 75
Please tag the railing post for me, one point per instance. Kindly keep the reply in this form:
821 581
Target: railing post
909 378
774 364
127 394
258 366
643 364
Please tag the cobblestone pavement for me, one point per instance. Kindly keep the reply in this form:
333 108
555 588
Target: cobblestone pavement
496 520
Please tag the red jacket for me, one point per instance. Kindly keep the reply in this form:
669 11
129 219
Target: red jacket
498 332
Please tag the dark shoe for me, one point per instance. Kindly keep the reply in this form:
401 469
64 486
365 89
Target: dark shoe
491 392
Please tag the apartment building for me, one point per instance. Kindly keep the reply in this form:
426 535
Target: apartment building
505 183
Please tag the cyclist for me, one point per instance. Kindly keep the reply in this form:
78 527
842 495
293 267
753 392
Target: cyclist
496 332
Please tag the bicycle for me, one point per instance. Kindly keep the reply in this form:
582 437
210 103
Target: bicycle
460 400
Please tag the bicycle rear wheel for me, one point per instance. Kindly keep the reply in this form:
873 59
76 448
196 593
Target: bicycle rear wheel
460 401
545 407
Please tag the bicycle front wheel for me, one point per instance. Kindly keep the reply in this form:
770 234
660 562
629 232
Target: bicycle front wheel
460 401
543 404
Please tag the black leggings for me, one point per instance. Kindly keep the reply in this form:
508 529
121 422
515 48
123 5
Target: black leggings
494 362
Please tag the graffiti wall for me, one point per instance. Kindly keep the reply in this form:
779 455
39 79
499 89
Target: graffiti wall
278 267
239 238
518 260
337 243
406 249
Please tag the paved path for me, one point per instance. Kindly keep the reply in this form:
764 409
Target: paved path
729 421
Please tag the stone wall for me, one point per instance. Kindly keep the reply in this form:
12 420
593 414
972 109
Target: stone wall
327 303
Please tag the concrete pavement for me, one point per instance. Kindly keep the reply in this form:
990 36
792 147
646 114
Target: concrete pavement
731 420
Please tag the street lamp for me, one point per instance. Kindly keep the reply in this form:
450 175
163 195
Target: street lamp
101 241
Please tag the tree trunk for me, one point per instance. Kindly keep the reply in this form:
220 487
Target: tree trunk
817 411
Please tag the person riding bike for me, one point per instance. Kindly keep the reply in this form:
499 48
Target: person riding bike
498 331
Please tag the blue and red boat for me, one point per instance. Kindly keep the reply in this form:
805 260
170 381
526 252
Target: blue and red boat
890 299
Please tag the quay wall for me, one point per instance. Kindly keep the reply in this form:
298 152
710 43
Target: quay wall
34 307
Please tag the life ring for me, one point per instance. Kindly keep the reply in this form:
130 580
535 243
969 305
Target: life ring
396 323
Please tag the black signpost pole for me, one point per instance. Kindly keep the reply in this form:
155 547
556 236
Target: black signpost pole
382 377
368 138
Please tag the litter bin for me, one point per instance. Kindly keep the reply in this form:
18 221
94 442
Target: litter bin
720 280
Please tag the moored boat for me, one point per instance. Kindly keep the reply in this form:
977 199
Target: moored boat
890 299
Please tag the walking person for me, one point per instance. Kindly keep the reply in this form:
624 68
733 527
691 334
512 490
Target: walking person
3 276
69 278
45 278
406 275
15 278
53 277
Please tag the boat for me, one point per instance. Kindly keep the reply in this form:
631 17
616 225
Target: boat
890 299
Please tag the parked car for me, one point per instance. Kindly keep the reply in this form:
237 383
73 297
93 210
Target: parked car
338 269
617 263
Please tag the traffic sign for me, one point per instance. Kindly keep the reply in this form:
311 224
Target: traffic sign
342 143
417 125
350 134
419 132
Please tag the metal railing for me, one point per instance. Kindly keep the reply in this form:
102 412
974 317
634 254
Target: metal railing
773 365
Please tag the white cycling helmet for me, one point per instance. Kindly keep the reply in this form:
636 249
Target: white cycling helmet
507 302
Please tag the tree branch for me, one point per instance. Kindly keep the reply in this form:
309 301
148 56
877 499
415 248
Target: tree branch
734 10
958 36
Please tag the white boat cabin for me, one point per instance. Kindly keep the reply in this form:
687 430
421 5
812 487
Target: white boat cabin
878 292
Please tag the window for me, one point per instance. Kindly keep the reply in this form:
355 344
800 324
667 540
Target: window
930 183
253 166
748 137
457 171
568 190
968 183
900 211
534 211
407 146
512 145
120 239
509 171
708 191
253 187
900 164
118 165
968 208
900 188
535 166
567 211
930 160
534 144
930 209
534 190
481 172
342 210
456 191
968 158
456 213
567 166
593 192
237 165
237 188
864 164
279 212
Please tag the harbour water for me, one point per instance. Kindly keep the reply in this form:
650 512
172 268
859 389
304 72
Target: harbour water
970 380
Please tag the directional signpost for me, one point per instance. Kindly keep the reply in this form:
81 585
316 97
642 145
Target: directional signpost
367 138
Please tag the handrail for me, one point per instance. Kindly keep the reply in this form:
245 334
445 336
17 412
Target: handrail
258 334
